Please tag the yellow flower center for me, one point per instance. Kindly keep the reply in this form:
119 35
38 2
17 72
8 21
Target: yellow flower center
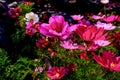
112 64
57 74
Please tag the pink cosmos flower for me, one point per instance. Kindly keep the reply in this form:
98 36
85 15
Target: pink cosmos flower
110 18
69 45
56 72
77 17
29 28
102 42
32 28
91 33
106 26
108 60
96 17
57 27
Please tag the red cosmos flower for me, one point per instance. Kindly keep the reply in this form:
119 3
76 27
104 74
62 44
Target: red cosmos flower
91 33
56 72
108 60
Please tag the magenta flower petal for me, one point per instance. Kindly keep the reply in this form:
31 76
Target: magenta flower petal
44 29
57 27
110 18
108 60
56 72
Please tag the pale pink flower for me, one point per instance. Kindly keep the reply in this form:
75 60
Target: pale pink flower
39 69
96 17
36 70
77 17
104 1
102 42
69 45
106 26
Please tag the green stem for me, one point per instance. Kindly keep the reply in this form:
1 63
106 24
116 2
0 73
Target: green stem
105 10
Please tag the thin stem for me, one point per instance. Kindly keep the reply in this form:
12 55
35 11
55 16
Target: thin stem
105 10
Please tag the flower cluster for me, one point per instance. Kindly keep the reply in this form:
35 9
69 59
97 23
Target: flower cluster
55 34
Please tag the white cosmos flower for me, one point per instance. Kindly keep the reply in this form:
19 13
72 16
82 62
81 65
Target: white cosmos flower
31 16
104 1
